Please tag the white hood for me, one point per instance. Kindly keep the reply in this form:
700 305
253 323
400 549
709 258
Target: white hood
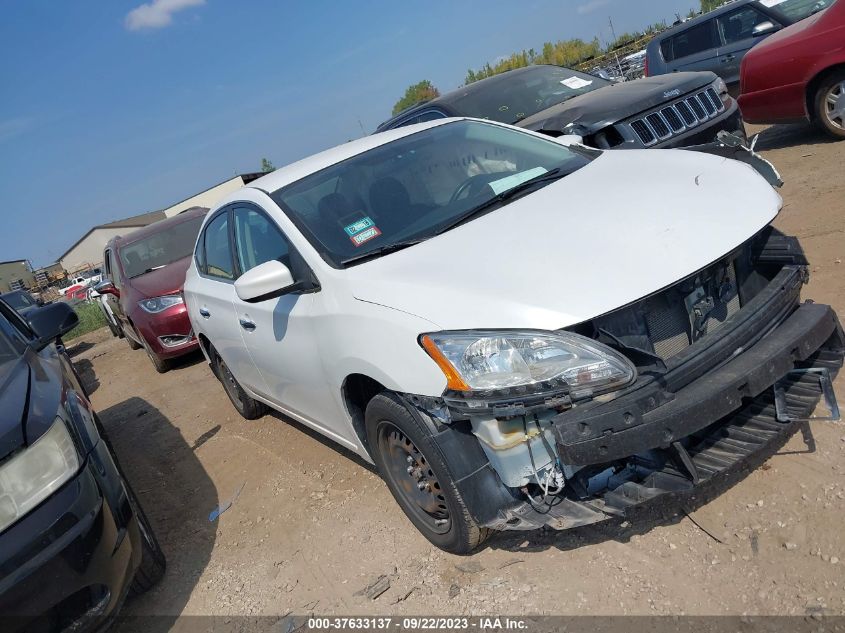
625 226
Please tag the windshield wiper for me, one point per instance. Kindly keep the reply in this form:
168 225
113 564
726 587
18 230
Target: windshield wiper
381 250
523 187
149 270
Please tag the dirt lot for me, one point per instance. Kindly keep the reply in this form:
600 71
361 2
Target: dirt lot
313 525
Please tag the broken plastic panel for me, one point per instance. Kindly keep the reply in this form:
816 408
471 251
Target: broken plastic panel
825 386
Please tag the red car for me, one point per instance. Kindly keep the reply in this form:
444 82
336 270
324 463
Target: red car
799 74
143 278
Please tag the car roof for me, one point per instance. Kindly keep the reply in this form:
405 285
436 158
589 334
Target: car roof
156 227
463 91
307 166
730 6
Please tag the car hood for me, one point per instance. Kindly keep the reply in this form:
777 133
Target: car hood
598 109
164 281
623 227
14 382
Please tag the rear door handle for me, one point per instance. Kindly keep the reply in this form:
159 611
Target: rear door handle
729 58
247 324
204 313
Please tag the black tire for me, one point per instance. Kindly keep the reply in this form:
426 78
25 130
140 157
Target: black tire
400 442
114 330
162 366
153 562
132 344
248 407
832 87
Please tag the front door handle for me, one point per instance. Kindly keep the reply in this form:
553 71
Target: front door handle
729 58
247 325
204 313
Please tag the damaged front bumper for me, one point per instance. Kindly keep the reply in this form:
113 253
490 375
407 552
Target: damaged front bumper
674 433
724 422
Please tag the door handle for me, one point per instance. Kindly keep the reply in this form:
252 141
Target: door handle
728 58
204 313
247 325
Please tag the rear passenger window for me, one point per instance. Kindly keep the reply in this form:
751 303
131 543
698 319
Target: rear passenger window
218 253
739 25
694 40
430 115
258 240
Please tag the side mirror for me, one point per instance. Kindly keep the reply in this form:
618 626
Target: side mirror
570 139
107 287
764 28
269 278
51 322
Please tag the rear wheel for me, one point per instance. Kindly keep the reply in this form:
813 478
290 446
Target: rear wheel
248 407
830 105
417 475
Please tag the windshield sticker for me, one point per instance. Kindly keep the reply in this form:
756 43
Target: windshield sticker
365 236
357 227
575 83
499 186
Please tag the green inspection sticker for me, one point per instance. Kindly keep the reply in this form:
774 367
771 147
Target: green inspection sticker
357 227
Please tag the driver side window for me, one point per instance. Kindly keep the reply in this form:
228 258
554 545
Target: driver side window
258 240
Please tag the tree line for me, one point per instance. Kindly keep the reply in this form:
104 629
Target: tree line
569 52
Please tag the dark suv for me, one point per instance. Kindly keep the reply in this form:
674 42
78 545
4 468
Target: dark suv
679 110
144 275
73 538
717 41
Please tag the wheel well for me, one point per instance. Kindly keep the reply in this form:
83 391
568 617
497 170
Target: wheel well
814 84
357 391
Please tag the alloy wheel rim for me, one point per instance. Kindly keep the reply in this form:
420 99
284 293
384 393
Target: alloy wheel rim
413 477
834 103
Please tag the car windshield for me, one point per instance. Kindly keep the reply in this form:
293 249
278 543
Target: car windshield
19 300
9 353
516 96
160 249
797 10
419 186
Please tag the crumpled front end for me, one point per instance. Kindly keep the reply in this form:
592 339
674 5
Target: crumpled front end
711 352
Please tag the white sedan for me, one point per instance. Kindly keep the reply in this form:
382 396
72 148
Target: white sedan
518 331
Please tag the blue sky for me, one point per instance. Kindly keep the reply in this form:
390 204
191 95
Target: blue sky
115 108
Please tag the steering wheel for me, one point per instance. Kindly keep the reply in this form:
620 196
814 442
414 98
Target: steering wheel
473 186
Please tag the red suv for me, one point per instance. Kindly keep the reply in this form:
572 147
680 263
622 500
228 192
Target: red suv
143 278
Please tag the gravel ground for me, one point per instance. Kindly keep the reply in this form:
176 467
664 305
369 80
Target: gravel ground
313 527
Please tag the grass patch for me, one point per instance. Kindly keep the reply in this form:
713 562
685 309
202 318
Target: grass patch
90 318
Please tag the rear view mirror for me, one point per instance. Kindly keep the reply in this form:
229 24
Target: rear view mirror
269 278
764 28
51 322
107 287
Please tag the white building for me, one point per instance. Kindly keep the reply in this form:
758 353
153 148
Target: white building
87 252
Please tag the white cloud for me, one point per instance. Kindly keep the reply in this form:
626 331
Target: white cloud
590 6
157 14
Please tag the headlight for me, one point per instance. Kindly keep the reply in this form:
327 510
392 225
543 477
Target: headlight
484 360
721 89
159 304
36 472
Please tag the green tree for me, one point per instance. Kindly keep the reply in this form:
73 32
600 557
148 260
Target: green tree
709 5
267 166
422 91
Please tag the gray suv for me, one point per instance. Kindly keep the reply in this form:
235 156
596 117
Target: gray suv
717 41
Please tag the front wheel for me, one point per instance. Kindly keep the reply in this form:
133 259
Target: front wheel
153 562
830 105
418 476
248 407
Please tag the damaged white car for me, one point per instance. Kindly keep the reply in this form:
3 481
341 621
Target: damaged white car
518 331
